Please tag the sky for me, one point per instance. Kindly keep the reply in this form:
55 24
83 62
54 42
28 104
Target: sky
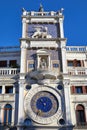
75 19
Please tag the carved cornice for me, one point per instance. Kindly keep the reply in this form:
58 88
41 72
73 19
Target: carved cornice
42 39
78 83
10 81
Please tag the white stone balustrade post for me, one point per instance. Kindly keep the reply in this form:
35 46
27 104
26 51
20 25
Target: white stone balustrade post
3 89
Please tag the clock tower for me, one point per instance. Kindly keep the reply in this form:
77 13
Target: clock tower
43 85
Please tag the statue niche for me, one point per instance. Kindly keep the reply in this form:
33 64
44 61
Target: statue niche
43 62
41 32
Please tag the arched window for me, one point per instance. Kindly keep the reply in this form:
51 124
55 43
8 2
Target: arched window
7 114
80 114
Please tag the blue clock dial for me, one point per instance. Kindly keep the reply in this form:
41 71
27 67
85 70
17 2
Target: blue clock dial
44 104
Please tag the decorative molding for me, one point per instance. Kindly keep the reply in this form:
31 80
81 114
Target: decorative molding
22 82
66 82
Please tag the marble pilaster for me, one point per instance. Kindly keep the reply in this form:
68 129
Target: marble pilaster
67 102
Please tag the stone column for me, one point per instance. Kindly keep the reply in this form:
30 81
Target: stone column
21 102
62 43
23 45
64 61
61 27
24 27
23 66
67 102
74 113
13 112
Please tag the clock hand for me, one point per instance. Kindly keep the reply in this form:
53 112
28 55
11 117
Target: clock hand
44 104
39 112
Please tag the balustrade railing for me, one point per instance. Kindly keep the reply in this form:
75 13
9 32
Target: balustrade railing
9 71
76 48
7 97
77 71
52 13
9 49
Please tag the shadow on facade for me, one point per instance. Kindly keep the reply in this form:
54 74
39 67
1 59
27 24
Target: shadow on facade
48 127
27 127
7 127
16 103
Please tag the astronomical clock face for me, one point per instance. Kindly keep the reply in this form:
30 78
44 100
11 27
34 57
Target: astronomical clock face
43 105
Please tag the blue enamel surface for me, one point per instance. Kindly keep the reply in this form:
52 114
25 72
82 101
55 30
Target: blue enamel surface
60 87
44 104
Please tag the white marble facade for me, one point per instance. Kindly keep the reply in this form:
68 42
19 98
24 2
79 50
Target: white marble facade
43 83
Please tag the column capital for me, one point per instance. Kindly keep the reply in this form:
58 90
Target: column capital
63 44
61 19
66 83
64 47
24 20
22 75
22 82
24 45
